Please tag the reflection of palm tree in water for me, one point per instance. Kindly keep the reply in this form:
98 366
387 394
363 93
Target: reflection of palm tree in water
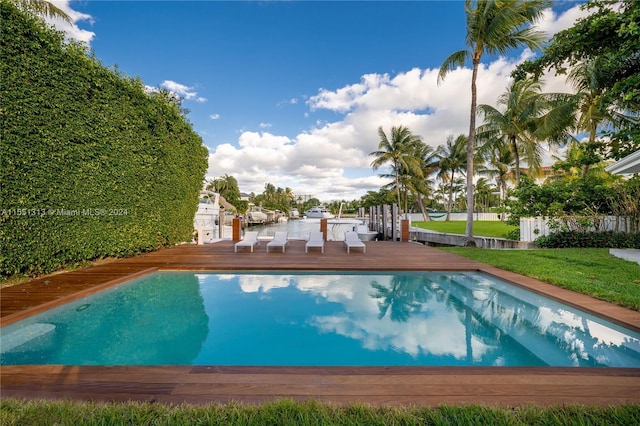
404 297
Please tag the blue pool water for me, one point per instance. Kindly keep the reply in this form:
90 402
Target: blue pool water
318 319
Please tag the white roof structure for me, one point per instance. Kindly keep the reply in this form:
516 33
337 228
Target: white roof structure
627 165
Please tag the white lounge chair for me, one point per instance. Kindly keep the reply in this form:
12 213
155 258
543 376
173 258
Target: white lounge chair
280 239
316 239
250 240
351 240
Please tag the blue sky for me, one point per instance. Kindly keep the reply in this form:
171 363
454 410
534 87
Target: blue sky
292 93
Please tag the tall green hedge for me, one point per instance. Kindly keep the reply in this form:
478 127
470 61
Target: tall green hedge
91 165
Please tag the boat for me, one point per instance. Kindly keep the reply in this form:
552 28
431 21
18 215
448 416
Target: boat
365 234
256 215
319 212
207 217
294 214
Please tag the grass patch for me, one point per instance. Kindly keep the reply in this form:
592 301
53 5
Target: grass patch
594 272
286 412
481 228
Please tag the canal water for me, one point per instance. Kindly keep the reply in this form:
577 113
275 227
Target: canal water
300 228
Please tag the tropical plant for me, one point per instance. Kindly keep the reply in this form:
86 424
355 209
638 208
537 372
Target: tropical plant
493 27
42 8
607 38
452 159
421 185
399 151
529 117
499 162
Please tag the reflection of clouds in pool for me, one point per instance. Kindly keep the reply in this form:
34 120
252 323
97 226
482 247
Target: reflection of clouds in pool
441 333
264 283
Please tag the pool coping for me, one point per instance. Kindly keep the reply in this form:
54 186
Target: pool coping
505 386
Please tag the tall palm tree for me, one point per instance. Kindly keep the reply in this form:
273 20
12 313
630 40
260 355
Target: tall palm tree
452 159
493 27
42 8
399 151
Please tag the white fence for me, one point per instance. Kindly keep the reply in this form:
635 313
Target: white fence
417 217
534 227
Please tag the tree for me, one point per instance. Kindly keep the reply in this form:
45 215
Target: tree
453 159
528 118
607 38
500 160
429 164
42 8
493 27
399 150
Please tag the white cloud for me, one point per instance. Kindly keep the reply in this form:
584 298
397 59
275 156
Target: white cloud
185 92
71 30
330 160
214 116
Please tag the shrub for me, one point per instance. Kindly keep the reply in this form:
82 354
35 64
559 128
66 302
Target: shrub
92 165
608 239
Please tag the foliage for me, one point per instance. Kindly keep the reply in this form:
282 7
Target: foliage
493 27
275 198
371 198
398 150
591 271
287 412
227 187
42 8
585 196
92 165
607 239
607 39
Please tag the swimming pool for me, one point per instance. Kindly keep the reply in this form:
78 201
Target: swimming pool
319 319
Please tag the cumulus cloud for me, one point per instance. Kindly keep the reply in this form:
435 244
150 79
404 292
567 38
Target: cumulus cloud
72 30
214 116
330 160
185 92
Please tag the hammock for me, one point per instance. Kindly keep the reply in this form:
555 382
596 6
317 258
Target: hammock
436 215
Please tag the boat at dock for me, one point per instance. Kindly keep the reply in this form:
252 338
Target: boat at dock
319 212
207 219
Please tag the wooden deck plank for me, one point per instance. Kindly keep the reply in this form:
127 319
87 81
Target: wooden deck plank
504 386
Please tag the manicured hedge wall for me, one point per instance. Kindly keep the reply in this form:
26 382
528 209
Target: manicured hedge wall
90 164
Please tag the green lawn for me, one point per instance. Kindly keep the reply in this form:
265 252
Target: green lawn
18 412
481 228
589 271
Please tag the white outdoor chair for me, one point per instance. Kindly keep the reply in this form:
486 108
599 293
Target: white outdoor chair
351 240
280 239
316 240
250 240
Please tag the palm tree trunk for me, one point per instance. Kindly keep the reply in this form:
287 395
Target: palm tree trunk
470 152
516 157
450 196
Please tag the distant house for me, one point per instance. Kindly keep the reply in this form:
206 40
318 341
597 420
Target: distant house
627 165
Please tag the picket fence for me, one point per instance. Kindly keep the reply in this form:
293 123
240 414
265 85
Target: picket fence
534 227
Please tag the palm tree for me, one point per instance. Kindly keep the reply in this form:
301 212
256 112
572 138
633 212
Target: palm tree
591 107
517 125
494 27
452 160
421 185
399 151
42 8
500 160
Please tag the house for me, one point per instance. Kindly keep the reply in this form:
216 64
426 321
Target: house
627 165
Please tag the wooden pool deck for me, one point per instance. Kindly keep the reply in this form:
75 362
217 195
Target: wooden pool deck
429 386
